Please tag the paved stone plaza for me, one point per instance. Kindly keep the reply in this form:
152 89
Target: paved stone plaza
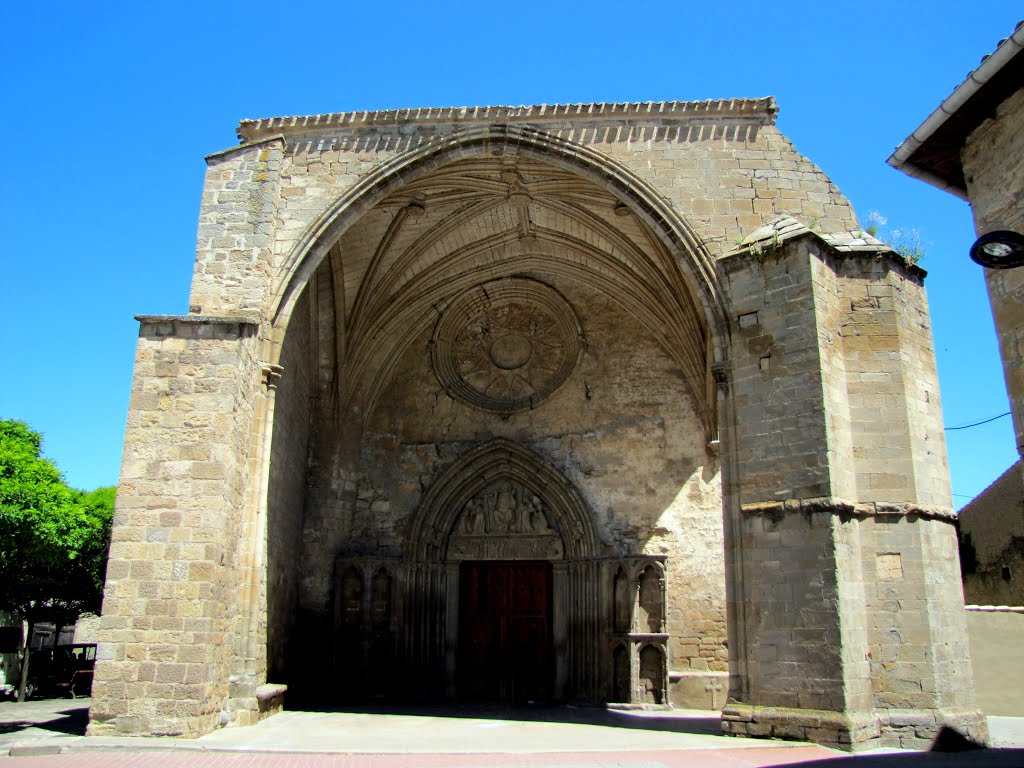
50 733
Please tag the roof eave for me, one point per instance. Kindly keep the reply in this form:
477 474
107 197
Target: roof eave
764 109
903 158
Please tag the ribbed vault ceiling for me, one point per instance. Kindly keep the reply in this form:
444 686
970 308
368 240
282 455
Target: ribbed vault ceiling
392 273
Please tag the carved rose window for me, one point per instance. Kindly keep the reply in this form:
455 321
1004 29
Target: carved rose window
506 345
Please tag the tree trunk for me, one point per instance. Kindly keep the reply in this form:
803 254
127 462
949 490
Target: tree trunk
26 649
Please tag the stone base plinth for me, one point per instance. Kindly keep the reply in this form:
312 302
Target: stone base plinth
830 729
184 727
919 728
270 698
251 703
898 728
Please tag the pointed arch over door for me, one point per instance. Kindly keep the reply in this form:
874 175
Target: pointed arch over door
503 502
451 498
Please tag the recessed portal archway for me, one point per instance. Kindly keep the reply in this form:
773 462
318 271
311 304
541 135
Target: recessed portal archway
534 271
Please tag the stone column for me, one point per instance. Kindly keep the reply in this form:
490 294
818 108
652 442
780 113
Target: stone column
250 651
837 503
174 576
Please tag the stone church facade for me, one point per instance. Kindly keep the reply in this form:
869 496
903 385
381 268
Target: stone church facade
600 404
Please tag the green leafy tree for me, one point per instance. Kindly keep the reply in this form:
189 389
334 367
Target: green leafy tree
53 539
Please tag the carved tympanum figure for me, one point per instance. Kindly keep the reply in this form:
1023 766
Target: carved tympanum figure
472 517
534 515
504 513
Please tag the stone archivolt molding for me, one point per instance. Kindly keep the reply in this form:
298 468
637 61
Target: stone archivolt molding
503 492
506 345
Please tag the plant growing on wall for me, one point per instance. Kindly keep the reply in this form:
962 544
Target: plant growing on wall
904 241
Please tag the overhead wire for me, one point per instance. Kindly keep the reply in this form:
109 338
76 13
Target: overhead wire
977 423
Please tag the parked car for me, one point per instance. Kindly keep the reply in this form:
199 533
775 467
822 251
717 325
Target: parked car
64 670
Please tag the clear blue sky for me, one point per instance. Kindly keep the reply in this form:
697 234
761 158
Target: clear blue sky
109 108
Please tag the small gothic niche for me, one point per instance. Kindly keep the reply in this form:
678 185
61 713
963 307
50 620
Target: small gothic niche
651 604
623 598
351 596
380 600
620 675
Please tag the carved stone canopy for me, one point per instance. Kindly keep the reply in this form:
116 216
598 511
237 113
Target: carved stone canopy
506 345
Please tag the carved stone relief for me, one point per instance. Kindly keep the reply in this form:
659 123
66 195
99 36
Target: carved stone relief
506 521
506 345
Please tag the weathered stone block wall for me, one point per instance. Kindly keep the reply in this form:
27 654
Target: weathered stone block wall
831 310
781 438
921 395
892 383
172 588
234 262
287 491
726 174
920 658
864 386
992 158
804 646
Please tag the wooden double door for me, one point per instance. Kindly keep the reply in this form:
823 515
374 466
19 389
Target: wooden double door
506 647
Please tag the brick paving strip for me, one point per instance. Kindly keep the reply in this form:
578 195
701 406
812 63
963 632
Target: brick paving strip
691 758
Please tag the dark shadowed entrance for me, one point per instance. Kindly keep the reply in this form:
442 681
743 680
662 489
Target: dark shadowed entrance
505 632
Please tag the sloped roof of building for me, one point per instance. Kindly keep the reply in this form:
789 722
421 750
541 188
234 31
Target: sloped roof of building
764 108
932 152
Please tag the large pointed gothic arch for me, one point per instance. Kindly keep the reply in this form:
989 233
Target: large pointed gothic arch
667 279
593 220
498 139
433 586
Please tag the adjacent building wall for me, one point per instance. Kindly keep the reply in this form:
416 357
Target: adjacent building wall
992 158
992 542
998 659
